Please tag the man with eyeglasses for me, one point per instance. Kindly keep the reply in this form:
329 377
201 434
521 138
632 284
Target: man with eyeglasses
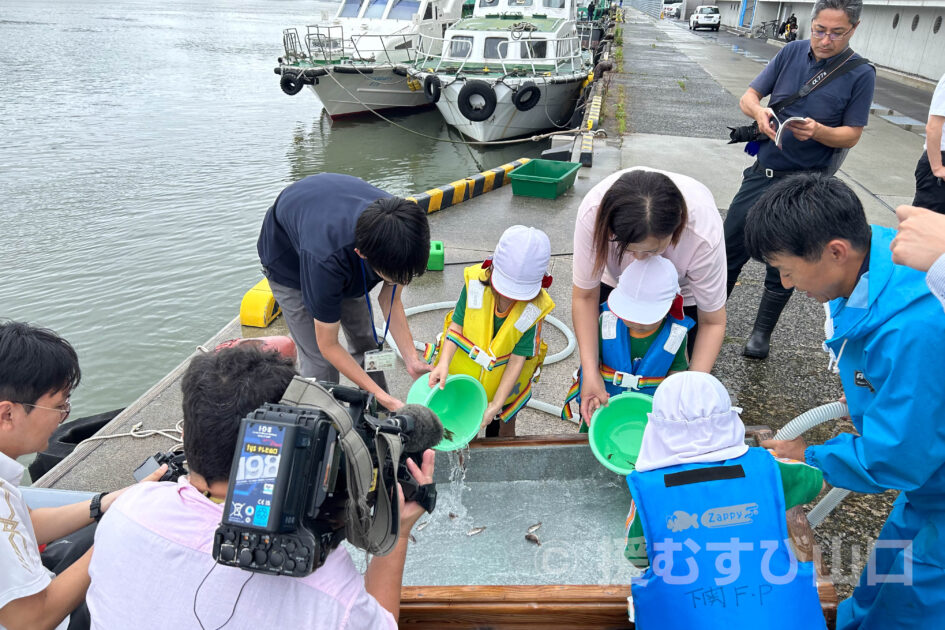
834 112
38 372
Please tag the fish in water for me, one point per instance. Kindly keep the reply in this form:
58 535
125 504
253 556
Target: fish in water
412 539
475 530
448 435
532 538
453 516
534 528
422 525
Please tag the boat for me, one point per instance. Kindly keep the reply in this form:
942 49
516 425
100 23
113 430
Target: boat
513 68
349 61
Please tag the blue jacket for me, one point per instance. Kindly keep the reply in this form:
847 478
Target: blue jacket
889 337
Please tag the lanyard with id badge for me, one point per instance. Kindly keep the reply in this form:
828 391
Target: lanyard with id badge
380 359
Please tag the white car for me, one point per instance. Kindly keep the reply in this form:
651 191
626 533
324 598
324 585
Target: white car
672 8
706 16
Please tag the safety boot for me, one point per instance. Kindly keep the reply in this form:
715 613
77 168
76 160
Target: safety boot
772 303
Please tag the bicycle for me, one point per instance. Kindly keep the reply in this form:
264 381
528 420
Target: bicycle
765 29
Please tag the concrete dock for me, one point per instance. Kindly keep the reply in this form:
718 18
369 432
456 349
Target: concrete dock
681 92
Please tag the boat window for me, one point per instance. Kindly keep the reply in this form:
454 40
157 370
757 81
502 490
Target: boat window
520 3
553 4
375 9
350 8
534 49
488 3
495 48
404 9
460 47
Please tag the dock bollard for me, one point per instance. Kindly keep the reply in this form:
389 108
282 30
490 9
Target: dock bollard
259 307
437 256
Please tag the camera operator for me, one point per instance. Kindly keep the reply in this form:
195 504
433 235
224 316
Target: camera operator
835 110
38 372
153 560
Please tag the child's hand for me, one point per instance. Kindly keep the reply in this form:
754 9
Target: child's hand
438 375
492 411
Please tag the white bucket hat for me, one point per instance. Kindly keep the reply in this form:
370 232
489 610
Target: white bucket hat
520 262
645 291
692 421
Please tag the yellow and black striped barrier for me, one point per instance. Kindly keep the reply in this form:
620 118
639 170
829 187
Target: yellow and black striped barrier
587 149
593 113
463 189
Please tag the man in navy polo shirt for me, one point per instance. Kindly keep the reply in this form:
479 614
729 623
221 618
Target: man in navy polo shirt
325 243
834 116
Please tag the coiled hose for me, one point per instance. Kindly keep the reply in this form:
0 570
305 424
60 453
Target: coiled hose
794 429
538 405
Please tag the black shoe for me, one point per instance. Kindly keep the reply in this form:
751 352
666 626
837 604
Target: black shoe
772 303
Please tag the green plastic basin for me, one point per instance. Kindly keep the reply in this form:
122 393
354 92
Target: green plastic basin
460 406
543 178
617 430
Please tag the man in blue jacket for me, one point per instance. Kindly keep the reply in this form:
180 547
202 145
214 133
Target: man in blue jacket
887 345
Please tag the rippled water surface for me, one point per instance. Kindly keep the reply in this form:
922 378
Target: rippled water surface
140 145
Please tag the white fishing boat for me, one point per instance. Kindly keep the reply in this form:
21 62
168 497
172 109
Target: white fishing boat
351 60
513 68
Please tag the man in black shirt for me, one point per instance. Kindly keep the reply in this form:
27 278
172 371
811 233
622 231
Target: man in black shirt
325 243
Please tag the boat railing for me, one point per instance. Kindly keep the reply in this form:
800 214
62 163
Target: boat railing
292 45
328 44
565 54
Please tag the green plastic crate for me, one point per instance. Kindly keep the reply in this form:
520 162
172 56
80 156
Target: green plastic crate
543 178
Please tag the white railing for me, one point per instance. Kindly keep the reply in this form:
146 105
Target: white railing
563 54
328 44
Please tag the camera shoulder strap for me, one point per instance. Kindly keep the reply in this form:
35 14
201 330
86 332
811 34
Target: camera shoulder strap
376 532
837 67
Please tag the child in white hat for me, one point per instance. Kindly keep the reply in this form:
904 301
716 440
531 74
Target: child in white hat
642 332
494 332
713 511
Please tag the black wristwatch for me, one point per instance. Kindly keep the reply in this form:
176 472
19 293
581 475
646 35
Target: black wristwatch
95 507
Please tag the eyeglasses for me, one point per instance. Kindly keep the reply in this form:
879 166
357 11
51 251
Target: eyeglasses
820 34
64 410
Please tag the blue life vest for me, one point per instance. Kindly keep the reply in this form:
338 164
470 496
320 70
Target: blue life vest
615 349
701 522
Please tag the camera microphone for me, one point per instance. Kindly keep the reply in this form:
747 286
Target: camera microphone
421 428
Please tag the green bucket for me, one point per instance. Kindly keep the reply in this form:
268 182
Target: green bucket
617 431
460 407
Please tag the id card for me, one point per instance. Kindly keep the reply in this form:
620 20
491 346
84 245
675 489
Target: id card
379 360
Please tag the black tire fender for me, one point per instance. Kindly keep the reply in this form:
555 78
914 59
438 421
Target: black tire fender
464 101
291 84
526 96
432 87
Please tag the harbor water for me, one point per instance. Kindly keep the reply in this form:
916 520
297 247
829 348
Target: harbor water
141 145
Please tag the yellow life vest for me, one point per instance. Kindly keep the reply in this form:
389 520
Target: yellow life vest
483 353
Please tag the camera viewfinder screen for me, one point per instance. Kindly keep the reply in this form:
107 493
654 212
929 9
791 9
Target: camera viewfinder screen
256 477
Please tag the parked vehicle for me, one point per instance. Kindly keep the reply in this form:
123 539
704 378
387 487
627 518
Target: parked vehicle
672 8
705 16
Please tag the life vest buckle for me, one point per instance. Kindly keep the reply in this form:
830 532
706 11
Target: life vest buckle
482 358
626 380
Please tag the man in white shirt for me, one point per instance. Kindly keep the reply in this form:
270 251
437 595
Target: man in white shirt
152 566
930 172
38 372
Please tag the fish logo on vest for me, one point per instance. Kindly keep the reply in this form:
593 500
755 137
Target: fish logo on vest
680 521
730 515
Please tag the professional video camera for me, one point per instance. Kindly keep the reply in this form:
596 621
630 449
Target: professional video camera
310 471
175 466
